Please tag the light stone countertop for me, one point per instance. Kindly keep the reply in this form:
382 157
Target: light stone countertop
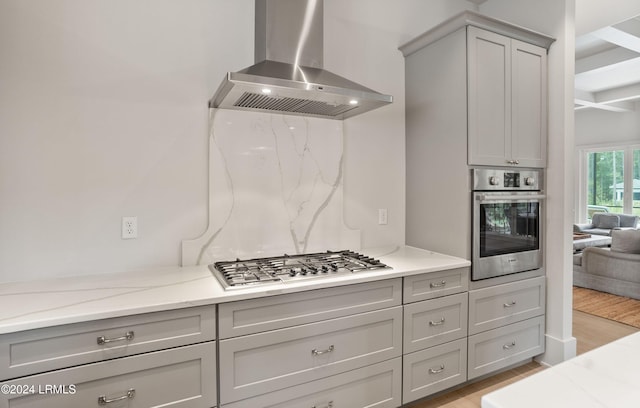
44 303
607 377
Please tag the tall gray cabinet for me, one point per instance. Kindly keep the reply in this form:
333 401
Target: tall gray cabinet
476 95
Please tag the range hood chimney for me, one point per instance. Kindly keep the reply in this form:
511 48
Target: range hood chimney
288 76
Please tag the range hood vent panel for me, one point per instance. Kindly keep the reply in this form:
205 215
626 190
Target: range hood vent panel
293 105
286 85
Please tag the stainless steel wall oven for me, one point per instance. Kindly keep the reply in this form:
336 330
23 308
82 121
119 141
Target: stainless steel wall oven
507 222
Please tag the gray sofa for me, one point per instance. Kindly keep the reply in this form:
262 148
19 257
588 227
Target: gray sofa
614 270
603 223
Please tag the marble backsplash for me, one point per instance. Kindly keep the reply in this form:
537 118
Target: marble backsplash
275 187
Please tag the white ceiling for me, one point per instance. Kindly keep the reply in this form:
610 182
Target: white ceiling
608 67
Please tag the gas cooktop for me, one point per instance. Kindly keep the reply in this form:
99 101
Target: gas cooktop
260 271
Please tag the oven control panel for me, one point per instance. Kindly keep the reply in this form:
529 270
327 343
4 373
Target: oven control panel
507 179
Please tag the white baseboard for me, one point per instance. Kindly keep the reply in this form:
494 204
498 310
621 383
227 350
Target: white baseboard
557 350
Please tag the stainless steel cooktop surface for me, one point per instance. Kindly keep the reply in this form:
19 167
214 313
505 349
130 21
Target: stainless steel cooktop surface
259 271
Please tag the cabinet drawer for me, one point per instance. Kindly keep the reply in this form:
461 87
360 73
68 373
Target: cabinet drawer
276 312
435 284
377 385
435 369
264 362
39 350
496 306
499 348
435 321
182 377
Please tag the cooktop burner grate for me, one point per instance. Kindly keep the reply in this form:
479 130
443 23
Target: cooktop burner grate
260 271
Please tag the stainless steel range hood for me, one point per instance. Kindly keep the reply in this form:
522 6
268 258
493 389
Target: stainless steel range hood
288 76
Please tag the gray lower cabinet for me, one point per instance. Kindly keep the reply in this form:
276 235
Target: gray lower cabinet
260 363
435 333
498 348
435 284
328 347
377 385
496 306
434 369
506 325
435 321
51 348
162 359
182 377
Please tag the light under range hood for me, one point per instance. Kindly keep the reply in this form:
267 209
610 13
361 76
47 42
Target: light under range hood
288 76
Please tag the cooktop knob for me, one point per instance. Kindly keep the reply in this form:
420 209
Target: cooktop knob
529 181
494 181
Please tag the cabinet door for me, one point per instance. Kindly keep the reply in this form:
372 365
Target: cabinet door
499 348
435 284
377 385
434 369
435 321
264 362
529 104
181 377
496 306
51 348
489 99
277 312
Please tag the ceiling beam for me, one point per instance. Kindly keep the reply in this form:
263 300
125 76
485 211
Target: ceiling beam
615 107
619 37
621 73
608 57
620 101
620 94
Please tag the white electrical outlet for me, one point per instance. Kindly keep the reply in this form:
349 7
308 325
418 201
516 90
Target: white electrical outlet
129 227
382 216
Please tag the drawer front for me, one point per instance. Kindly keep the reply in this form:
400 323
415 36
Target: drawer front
182 377
495 349
499 305
435 369
277 312
435 284
264 362
51 348
434 322
377 385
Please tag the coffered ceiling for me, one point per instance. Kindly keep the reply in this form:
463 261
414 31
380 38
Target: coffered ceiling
608 67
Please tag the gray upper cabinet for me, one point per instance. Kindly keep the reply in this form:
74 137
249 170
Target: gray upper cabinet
507 100
476 95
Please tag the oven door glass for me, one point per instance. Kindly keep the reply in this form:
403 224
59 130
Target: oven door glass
508 227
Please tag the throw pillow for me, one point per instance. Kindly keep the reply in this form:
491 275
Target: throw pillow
607 221
628 221
627 241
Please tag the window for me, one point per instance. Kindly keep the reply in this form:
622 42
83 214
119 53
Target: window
605 180
611 180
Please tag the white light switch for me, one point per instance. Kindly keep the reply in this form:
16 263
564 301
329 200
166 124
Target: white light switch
382 216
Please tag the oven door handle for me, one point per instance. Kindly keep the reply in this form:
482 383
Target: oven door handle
523 197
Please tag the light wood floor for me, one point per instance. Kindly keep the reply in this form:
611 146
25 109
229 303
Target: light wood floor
590 332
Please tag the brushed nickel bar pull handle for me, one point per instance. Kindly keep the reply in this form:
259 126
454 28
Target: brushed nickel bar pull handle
329 405
509 345
438 285
127 336
438 323
510 304
102 400
316 352
437 370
